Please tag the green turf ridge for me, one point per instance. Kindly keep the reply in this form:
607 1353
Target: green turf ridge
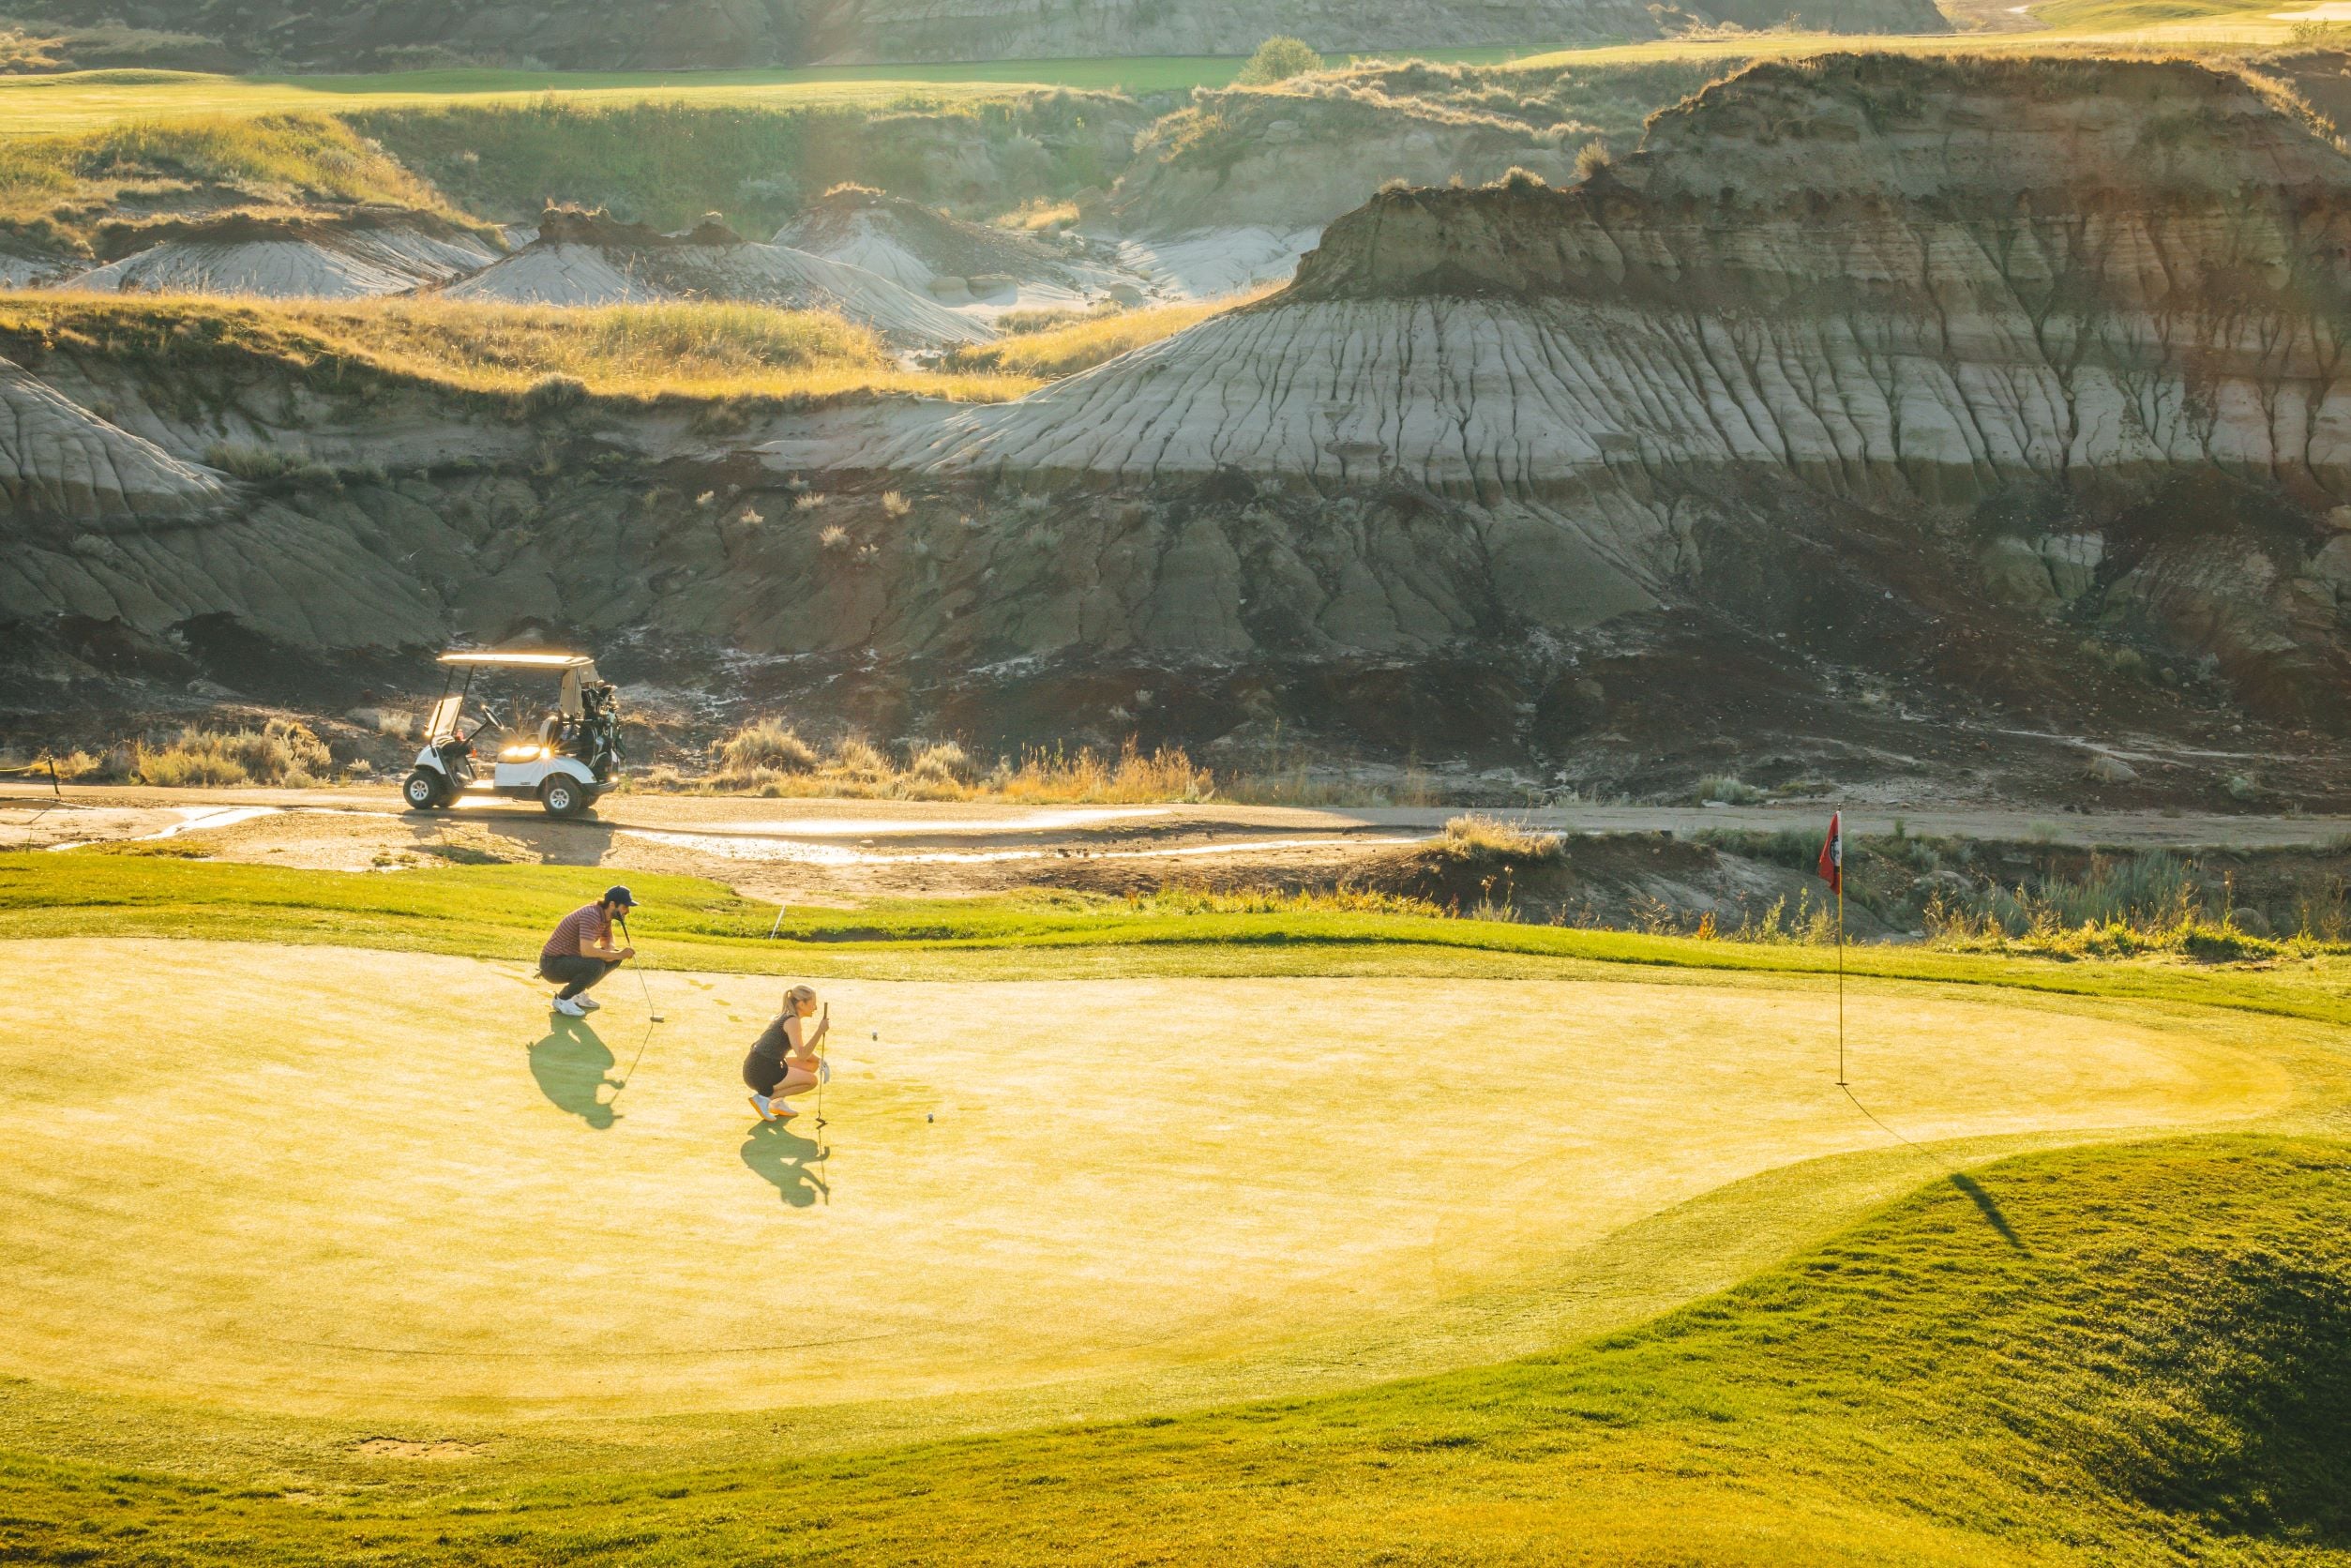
687 922
2135 1354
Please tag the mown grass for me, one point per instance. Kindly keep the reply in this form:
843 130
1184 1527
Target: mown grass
1080 345
2120 1354
502 911
698 348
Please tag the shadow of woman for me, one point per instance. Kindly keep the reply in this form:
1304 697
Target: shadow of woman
786 1161
570 1064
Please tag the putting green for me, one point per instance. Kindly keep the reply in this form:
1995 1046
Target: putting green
333 1182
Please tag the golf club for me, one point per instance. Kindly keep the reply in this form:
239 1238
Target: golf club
642 984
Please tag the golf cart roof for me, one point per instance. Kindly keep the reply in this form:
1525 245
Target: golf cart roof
521 661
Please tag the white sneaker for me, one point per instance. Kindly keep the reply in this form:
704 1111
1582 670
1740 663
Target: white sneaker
784 1110
587 1003
761 1104
570 1009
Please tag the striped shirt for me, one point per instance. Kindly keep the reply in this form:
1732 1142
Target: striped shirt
583 929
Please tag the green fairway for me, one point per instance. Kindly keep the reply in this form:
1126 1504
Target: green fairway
88 101
321 1241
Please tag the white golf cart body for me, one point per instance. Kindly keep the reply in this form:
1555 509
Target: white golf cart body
526 768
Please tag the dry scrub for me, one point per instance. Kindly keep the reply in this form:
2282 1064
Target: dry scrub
54 189
767 757
1082 344
545 354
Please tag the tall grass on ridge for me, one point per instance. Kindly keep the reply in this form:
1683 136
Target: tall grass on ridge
702 348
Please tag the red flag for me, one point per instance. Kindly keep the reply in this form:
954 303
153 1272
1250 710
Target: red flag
1833 853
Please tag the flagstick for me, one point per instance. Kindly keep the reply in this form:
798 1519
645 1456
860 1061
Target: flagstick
1840 978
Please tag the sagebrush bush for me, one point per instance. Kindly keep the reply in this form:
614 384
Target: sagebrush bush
281 751
766 743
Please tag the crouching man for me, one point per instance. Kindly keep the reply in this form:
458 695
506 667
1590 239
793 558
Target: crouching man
581 953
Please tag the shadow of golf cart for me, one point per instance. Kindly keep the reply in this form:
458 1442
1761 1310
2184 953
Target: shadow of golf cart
564 761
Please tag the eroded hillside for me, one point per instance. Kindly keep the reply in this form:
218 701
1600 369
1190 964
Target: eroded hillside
1876 411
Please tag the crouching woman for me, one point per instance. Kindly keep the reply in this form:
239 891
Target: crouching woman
784 1061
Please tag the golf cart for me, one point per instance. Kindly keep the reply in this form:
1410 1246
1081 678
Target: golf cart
572 756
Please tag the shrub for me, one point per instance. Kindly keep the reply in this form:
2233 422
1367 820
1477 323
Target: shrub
942 761
278 752
1473 836
554 394
860 758
1278 59
1593 158
1729 791
266 465
895 504
767 743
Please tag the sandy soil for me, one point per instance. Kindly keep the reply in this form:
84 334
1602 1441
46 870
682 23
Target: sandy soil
333 1182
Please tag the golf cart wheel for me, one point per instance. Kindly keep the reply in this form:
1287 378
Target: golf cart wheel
423 790
563 797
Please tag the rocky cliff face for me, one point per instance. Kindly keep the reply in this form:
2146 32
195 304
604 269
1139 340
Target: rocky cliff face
2001 304
1874 409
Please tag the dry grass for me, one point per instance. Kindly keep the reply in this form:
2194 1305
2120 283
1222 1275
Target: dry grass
1475 835
767 757
281 751
1080 345
56 188
545 353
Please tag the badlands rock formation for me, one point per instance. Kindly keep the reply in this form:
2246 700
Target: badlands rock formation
590 259
350 258
955 262
1877 408
1992 303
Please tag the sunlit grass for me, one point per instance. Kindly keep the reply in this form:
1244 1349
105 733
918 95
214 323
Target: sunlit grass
85 100
1080 345
64 183
700 349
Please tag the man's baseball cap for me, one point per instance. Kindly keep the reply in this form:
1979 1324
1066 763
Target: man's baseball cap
619 896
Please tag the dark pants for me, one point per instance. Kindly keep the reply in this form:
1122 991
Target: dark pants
576 974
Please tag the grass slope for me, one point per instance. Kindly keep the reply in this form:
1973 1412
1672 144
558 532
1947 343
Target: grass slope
2132 1354
696 350
85 100
490 912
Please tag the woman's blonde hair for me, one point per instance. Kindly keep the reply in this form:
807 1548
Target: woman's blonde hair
798 994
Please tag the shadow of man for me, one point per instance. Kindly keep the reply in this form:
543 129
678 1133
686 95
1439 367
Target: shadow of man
786 1161
570 1064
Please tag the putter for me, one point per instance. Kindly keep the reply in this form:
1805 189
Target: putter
640 974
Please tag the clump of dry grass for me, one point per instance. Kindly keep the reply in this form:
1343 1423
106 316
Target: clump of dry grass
281 751
766 743
1474 835
1080 345
546 358
769 758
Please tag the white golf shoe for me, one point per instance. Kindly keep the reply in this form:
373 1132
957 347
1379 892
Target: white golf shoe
760 1105
570 1009
587 1003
